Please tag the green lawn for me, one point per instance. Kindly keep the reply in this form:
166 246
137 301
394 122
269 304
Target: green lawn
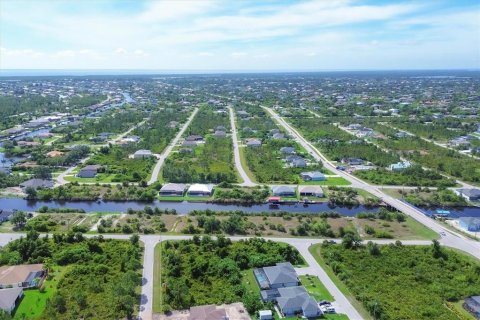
316 288
244 164
420 230
458 307
331 181
157 285
248 279
33 302
315 251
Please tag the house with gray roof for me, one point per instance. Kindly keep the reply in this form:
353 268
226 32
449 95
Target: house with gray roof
472 304
306 191
173 189
142 154
312 176
470 223
287 150
284 191
5 214
278 276
469 194
253 142
296 300
36 184
10 298
89 171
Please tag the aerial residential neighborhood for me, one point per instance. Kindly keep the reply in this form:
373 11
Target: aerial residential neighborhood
239 160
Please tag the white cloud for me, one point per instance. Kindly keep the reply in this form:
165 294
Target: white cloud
187 33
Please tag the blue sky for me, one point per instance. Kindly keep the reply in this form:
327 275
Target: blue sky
239 35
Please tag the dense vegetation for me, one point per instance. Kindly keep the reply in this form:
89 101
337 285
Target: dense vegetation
413 176
10 180
14 109
404 282
120 167
206 120
157 133
266 164
338 145
100 279
211 162
432 156
75 191
440 129
205 271
427 197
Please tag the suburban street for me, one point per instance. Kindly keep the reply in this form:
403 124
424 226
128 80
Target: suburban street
451 238
301 244
169 148
236 152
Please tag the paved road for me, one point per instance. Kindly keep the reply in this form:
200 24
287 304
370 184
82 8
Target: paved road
236 152
452 239
169 148
301 244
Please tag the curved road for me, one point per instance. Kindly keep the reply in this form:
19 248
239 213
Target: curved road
236 152
168 150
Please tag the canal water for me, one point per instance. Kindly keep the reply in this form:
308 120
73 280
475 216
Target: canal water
181 207
455 212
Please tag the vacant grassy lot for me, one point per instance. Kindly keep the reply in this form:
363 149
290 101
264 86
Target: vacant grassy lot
416 273
316 288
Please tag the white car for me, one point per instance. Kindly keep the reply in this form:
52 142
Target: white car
327 309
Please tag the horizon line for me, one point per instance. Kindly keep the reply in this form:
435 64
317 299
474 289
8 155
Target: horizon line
118 72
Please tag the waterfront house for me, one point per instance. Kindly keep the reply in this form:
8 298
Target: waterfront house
36 184
470 223
472 194
283 191
314 191
173 189
200 190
